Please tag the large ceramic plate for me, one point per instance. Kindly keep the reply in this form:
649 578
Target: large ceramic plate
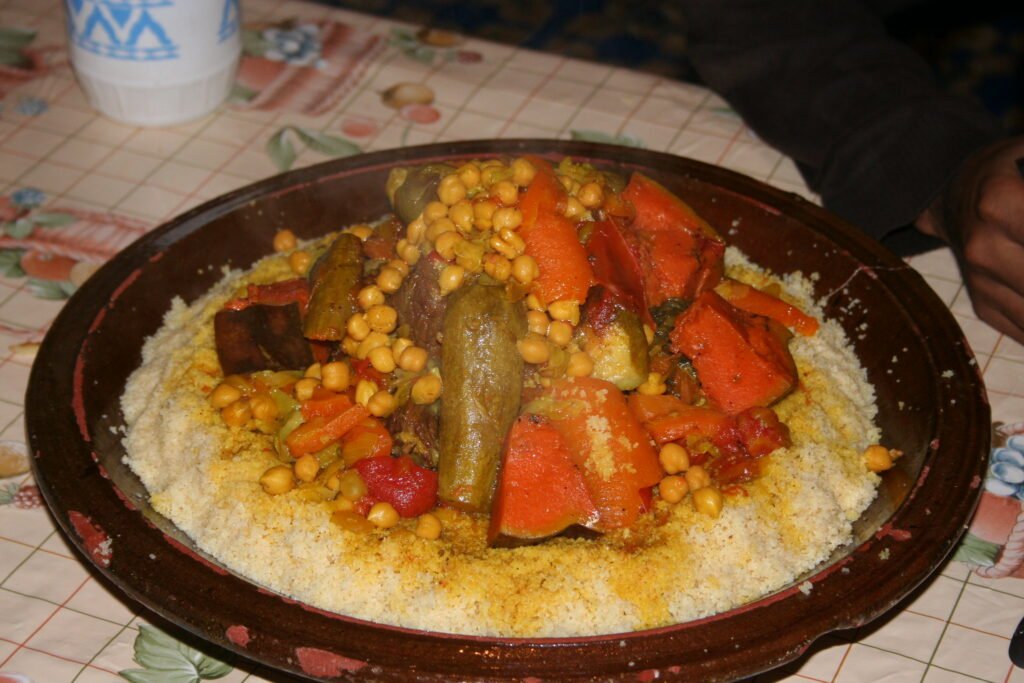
931 398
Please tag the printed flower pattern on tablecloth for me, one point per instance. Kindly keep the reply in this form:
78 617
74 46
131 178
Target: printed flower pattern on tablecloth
994 543
431 45
57 249
304 67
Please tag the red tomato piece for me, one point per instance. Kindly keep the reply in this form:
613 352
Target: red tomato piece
411 489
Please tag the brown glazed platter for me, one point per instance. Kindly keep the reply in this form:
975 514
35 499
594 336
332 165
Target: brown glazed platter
931 398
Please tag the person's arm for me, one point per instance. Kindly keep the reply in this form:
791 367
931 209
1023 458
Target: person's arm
871 131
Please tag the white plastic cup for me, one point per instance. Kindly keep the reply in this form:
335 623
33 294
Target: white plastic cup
154 62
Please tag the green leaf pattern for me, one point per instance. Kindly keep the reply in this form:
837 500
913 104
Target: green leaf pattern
166 660
281 147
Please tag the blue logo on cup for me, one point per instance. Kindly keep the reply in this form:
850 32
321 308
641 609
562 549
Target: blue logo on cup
228 20
121 29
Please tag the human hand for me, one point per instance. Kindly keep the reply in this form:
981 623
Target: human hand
981 215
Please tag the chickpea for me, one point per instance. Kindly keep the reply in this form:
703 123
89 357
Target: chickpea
315 371
382 515
351 485
513 238
534 304
537 321
307 467
569 311
697 477
277 480
445 244
382 404
357 327
534 348
389 280
498 267
300 261
263 407
591 195
433 211
362 231
674 458
399 265
349 345
461 214
350 520
653 385
502 247
236 414
369 297
708 501
523 172
372 341
416 231
382 318
364 390
428 527
399 346
224 395
879 458
524 269
426 390
492 174
571 186
284 240
446 515
580 364
506 192
382 359
574 209
410 253
560 333
507 218
438 228
469 174
335 376
451 278
413 359
239 382
673 488
305 387
451 190
483 214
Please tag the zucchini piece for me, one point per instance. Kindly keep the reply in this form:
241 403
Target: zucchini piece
411 189
482 371
613 335
335 283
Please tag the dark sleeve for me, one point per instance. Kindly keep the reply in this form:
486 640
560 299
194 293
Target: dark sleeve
859 112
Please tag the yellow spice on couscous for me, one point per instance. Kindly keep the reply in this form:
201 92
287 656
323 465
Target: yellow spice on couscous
674 565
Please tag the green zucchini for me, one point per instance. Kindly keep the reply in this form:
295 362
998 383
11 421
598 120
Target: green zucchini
481 371
335 283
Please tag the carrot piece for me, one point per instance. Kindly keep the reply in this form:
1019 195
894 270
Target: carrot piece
325 403
541 492
608 444
550 237
649 407
320 432
741 359
692 421
685 254
368 439
753 300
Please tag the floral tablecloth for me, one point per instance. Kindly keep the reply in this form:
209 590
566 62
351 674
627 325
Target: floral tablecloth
317 83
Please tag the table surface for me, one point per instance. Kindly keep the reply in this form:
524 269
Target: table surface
76 187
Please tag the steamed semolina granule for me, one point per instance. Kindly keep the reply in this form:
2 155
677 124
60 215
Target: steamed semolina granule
674 565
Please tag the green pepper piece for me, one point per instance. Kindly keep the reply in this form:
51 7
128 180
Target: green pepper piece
481 371
335 284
